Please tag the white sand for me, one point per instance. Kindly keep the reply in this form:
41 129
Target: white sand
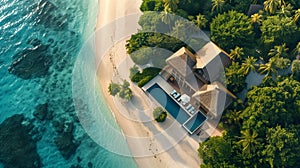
184 154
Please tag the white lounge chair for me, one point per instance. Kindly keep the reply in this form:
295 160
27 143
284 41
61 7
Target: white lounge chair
189 106
173 92
179 99
193 112
191 109
177 96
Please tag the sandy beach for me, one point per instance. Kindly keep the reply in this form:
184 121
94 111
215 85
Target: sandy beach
184 153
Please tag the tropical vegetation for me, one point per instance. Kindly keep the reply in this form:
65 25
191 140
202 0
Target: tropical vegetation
159 114
262 128
141 78
123 90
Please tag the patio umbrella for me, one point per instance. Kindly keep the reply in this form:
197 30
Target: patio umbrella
185 98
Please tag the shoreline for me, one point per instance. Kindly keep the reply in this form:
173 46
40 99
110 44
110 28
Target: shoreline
184 154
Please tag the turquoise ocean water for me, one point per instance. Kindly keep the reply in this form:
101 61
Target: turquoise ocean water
63 27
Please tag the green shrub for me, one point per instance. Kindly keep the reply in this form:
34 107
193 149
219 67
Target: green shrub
114 88
133 70
152 72
142 56
152 5
137 77
125 92
159 114
145 80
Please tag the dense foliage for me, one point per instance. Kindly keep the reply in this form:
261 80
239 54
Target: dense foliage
159 114
296 70
114 88
263 129
163 30
277 30
232 29
145 76
123 90
235 78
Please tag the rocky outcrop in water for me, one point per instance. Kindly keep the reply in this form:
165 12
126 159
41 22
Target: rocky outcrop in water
41 112
65 141
48 16
66 144
17 149
32 62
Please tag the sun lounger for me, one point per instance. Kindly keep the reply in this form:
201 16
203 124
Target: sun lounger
179 99
173 92
191 109
177 96
193 112
189 106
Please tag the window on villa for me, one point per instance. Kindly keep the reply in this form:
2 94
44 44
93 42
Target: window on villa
200 71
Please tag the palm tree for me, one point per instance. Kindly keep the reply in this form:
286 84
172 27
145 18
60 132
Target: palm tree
272 5
177 30
297 49
268 68
234 117
248 65
237 53
167 18
256 18
218 5
278 51
296 69
285 10
170 5
200 21
296 15
249 141
183 29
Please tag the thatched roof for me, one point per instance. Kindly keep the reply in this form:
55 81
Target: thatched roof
183 61
207 54
214 97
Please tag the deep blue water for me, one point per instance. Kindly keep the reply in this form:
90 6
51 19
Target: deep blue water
195 122
168 103
62 26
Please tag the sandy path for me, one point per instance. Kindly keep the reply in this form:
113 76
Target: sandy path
183 154
114 9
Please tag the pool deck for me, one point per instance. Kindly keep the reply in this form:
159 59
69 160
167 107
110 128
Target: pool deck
162 83
168 89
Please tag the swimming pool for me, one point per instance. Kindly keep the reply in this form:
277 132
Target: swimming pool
168 103
195 122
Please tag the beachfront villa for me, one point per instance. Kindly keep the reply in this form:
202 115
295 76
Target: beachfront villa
188 86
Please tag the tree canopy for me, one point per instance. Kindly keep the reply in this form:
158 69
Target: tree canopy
123 90
260 130
268 123
215 153
235 78
232 29
278 30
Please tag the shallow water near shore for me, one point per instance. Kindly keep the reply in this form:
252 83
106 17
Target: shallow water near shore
61 26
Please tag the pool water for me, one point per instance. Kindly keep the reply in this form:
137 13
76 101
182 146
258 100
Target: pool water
195 122
168 103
